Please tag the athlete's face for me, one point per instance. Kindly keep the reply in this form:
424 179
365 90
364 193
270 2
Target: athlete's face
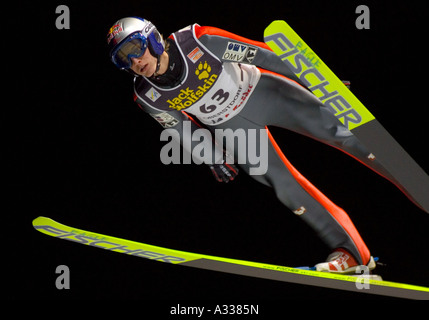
144 65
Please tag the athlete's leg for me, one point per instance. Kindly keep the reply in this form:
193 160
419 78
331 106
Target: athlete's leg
281 102
290 106
330 222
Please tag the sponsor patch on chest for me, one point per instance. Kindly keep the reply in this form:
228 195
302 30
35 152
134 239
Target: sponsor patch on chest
239 52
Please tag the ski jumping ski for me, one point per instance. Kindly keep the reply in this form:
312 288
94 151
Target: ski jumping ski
359 283
399 167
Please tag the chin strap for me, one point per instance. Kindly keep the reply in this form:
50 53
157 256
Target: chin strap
158 65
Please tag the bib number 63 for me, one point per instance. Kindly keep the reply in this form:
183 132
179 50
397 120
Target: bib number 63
219 98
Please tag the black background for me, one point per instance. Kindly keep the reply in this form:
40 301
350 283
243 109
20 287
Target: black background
81 152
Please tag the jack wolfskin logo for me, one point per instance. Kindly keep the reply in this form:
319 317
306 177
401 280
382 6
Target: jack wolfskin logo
188 96
203 71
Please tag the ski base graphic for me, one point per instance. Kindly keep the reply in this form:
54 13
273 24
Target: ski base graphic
398 166
361 284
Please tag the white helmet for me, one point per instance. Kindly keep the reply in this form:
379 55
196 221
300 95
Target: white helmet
130 37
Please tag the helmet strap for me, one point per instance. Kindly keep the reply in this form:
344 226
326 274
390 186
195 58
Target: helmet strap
158 64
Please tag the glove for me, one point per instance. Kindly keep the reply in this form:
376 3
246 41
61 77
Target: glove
224 172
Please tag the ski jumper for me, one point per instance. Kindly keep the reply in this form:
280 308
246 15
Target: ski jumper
229 82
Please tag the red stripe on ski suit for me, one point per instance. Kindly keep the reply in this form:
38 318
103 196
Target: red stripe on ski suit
200 31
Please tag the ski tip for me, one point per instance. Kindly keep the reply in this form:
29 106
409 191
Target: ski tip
34 222
274 25
39 220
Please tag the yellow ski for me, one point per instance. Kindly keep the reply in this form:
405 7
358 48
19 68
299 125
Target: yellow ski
399 167
241 267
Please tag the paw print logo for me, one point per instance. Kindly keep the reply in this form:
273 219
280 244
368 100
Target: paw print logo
203 70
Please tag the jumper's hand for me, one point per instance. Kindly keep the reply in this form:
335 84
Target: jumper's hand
224 172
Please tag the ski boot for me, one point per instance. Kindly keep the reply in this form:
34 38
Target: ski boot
341 261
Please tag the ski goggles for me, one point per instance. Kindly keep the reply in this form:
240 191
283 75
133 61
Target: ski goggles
133 46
